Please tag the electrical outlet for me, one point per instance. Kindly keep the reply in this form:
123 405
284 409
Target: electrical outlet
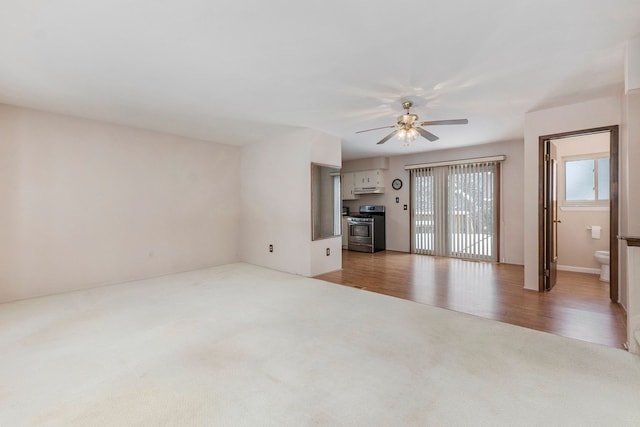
328 251
404 207
270 248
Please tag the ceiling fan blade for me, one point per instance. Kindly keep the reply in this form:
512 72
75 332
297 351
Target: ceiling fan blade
431 137
388 137
383 127
445 122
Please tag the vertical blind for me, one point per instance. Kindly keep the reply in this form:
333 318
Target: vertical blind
455 210
337 203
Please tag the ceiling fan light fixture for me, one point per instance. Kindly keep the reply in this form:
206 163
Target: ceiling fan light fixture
407 127
407 135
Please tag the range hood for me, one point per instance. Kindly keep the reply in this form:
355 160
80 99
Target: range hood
368 190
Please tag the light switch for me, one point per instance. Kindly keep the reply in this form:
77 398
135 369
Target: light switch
404 207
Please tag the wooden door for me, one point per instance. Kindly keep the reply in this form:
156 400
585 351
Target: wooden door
551 217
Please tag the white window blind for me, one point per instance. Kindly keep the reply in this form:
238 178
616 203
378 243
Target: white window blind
454 210
337 203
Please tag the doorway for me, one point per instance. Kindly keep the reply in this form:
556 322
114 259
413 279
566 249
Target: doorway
600 196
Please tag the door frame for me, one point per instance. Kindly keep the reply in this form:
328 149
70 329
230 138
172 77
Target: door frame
550 224
613 203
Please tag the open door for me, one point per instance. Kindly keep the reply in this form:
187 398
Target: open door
548 208
551 215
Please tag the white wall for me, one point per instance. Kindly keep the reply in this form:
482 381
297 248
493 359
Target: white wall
574 117
86 203
398 228
576 248
275 186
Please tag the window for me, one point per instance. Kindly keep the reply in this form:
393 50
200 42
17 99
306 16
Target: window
586 180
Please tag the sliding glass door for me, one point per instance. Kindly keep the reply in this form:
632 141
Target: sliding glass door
455 211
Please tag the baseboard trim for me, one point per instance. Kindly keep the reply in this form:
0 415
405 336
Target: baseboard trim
579 269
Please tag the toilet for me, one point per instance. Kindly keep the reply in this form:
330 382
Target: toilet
603 258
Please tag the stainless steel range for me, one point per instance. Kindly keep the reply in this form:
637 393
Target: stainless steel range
367 230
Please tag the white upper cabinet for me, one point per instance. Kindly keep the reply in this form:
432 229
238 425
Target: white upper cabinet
371 181
349 186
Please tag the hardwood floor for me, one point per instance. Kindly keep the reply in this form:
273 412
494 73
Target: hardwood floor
577 307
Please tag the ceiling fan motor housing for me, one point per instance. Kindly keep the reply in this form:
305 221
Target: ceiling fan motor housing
407 119
408 127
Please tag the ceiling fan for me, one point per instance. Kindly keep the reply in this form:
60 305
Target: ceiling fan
408 129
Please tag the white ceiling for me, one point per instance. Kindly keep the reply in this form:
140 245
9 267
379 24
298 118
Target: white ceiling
237 72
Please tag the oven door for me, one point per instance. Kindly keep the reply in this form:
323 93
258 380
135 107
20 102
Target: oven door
360 236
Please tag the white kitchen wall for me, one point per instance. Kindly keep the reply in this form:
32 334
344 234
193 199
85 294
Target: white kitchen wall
398 227
87 203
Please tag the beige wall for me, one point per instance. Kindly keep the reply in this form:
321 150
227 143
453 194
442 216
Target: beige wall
624 111
276 203
86 203
576 248
630 223
326 150
398 227
574 117
630 212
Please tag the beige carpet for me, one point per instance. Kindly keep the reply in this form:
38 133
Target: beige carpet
243 345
